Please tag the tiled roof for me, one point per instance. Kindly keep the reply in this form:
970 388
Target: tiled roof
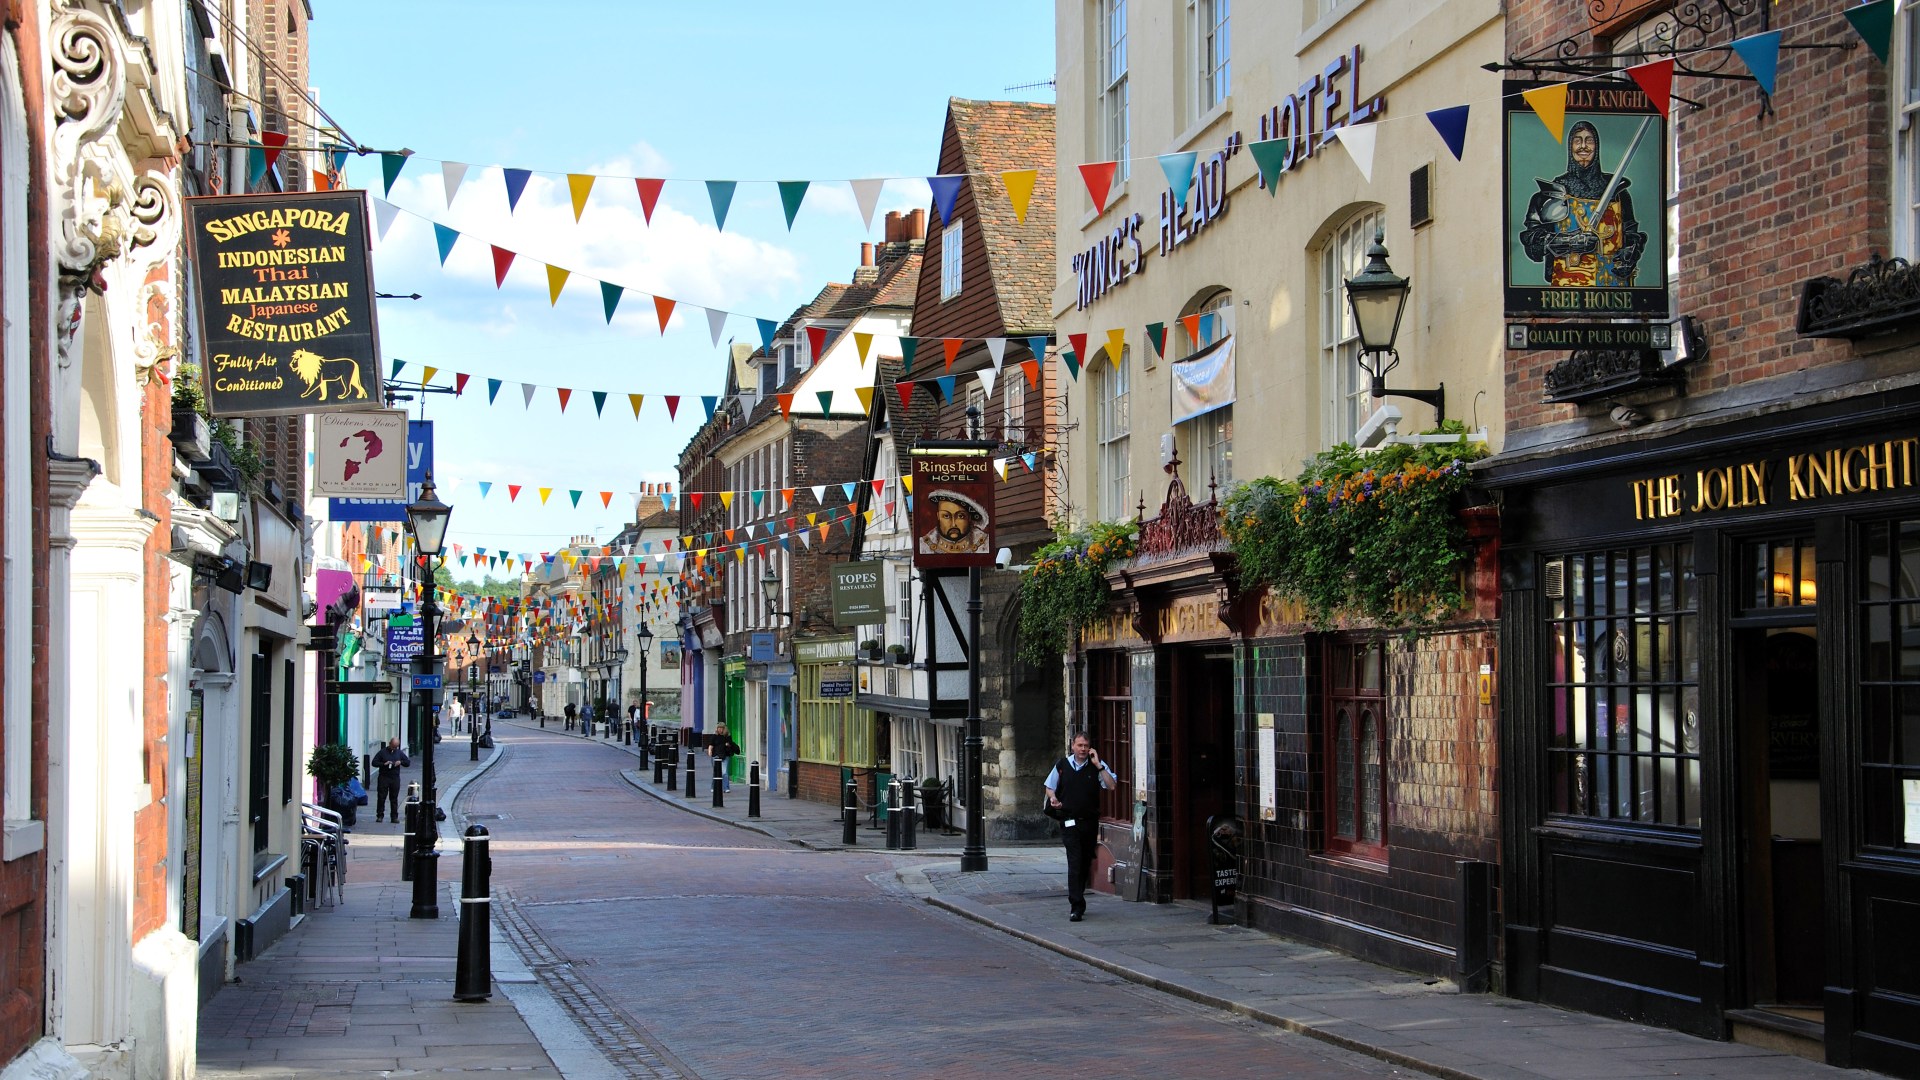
997 137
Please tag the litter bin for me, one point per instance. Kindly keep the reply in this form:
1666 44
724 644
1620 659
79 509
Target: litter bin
1223 842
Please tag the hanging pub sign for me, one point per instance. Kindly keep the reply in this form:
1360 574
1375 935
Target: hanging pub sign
286 302
360 454
952 508
859 594
1585 210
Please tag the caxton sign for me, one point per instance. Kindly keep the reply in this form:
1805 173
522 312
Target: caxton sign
286 302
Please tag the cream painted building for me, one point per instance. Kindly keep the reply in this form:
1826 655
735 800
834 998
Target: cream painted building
1141 79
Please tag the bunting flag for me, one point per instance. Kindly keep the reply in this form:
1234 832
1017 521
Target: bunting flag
556 280
459 384
1874 23
610 298
1270 158
716 322
1157 333
866 195
486 488
578 186
1079 343
1068 357
502 258
720 194
516 184
663 307
817 341
945 188
390 166
786 405
1179 171
451 175
574 494
493 390
951 347
945 383
428 377
865 396
791 193
383 214
544 492
826 401
1192 323
1098 177
1116 345
600 402
767 329
907 347
905 390
273 142
1359 139
1452 125
1037 345
861 343
566 395
1761 54
256 162
398 365
444 237
712 402
513 492
321 181
1656 80
997 351
1032 369
649 189
635 400
1019 184
986 377
673 405
526 393
1549 103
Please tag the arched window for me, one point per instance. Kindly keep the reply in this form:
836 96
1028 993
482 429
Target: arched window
1204 391
1345 397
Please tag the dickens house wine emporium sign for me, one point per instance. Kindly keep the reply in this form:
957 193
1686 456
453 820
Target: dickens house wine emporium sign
286 303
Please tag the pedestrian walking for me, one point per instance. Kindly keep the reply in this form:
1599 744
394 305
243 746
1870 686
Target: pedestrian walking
571 712
1073 799
724 748
386 770
456 711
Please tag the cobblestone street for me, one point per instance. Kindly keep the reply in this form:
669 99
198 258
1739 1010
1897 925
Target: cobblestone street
690 948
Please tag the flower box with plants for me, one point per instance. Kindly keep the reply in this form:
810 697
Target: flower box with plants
1065 588
191 432
1375 537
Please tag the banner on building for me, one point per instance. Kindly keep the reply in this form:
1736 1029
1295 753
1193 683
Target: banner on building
286 302
360 454
859 594
1585 209
419 463
952 508
1203 382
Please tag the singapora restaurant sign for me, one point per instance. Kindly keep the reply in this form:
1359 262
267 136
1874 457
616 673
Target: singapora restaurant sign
286 302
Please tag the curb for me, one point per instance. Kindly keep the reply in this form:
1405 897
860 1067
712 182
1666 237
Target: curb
1176 983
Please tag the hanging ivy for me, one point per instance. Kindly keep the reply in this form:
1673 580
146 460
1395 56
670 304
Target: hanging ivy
1066 587
1373 536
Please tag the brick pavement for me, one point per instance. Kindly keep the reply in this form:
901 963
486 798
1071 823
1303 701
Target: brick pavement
361 990
1394 1016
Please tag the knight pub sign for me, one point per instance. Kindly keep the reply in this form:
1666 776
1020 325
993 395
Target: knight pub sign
286 302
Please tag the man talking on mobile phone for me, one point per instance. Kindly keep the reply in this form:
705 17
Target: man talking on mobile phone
1073 797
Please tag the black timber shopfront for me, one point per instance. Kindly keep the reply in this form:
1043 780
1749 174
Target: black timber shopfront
1710 648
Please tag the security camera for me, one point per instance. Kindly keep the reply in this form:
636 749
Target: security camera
1003 558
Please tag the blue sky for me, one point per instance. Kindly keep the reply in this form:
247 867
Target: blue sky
748 91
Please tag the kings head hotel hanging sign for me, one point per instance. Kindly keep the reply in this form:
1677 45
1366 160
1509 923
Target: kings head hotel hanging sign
1585 205
952 508
286 303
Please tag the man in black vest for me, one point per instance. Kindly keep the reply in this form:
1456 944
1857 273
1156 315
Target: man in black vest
1073 787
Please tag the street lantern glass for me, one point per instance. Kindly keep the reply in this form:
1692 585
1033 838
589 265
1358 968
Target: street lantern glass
770 587
1378 297
427 520
644 637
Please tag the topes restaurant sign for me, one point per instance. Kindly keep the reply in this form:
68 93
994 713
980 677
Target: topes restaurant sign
1303 124
286 302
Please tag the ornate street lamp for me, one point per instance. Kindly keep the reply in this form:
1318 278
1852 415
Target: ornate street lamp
427 520
473 675
1378 297
643 638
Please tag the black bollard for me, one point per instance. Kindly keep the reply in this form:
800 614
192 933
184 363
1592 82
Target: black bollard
753 789
850 815
908 791
793 778
642 744
893 814
659 769
719 779
411 815
693 778
473 966
673 771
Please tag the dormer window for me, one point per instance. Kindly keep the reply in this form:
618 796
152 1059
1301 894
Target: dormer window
769 378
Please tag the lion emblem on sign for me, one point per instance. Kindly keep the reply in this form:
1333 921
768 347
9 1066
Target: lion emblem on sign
319 374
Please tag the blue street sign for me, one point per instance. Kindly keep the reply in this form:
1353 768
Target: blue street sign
426 682
761 647
419 463
539 677
405 642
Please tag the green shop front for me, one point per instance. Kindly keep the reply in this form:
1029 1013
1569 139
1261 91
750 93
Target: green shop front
836 739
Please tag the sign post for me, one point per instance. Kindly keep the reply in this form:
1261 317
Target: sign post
953 529
859 597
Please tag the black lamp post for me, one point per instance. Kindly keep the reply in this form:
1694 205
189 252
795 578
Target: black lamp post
643 638
1378 297
473 676
427 521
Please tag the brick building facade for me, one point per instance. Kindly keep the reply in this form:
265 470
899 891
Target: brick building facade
1708 772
